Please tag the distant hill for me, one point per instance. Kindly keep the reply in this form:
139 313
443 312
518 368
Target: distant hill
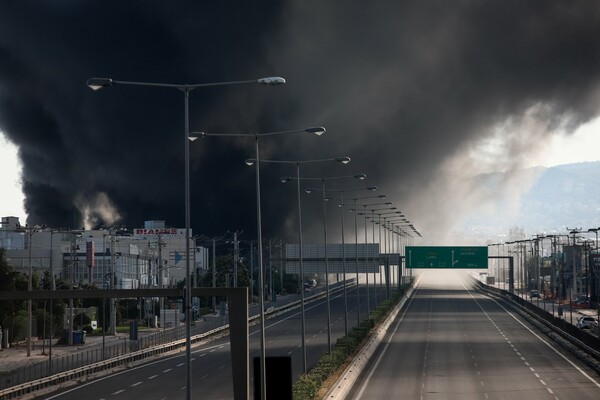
565 195
556 198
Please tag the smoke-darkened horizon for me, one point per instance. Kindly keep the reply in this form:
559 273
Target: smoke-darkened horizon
407 89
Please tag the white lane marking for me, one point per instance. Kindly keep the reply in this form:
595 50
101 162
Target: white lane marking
180 364
118 392
167 370
124 372
582 372
135 384
387 344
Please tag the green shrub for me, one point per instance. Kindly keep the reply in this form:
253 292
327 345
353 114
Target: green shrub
307 386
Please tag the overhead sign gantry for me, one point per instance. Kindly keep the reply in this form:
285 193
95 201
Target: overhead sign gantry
447 257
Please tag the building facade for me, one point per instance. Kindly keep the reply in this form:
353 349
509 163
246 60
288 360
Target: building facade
152 256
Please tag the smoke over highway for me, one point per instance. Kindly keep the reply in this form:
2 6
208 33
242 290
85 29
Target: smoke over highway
421 95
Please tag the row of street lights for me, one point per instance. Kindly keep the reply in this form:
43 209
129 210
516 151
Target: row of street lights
98 83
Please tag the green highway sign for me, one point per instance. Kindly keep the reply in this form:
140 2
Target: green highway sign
447 257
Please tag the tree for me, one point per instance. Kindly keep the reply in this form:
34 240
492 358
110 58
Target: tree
13 313
224 275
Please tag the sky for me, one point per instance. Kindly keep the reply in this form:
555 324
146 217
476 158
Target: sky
423 96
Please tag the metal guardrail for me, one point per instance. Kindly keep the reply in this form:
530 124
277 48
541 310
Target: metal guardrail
29 382
85 370
578 338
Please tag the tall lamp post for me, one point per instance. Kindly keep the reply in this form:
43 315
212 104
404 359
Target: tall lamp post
343 160
319 130
596 271
29 231
374 221
356 212
397 223
356 199
341 205
386 267
99 83
324 199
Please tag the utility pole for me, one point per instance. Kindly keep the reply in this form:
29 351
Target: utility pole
251 273
71 272
113 311
235 260
214 274
161 300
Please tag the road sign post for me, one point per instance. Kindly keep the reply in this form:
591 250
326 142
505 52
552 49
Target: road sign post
447 257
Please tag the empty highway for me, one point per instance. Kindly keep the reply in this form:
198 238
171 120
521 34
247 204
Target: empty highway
451 342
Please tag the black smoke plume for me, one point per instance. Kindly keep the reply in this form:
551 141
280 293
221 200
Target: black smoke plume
403 88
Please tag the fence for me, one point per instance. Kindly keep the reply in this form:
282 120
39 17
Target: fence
93 355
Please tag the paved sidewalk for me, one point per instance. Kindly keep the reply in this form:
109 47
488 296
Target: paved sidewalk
16 356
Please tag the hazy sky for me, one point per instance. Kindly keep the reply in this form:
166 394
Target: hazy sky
580 146
422 95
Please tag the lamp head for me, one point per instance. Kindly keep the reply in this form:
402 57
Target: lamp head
309 190
343 160
271 80
360 176
317 130
389 203
373 189
192 138
250 161
99 83
286 179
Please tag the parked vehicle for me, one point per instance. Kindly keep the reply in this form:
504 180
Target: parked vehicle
586 322
311 283
534 293
580 304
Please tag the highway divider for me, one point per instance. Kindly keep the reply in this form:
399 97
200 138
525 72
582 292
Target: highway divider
357 348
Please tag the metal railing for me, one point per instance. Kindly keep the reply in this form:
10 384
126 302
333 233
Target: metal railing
32 377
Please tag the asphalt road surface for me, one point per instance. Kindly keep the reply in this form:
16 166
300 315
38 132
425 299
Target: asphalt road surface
454 343
211 363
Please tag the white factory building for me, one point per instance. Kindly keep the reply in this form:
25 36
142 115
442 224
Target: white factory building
143 257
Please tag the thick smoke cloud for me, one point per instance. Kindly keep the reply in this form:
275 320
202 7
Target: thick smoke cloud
408 89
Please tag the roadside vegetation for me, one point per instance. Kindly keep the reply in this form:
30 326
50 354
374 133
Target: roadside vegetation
315 383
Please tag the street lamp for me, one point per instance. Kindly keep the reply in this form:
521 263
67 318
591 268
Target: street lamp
324 198
385 248
29 231
99 83
341 205
318 130
395 228
356 212
372 219
356 199
343 160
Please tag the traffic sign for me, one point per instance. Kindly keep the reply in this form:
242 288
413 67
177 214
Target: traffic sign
447 257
